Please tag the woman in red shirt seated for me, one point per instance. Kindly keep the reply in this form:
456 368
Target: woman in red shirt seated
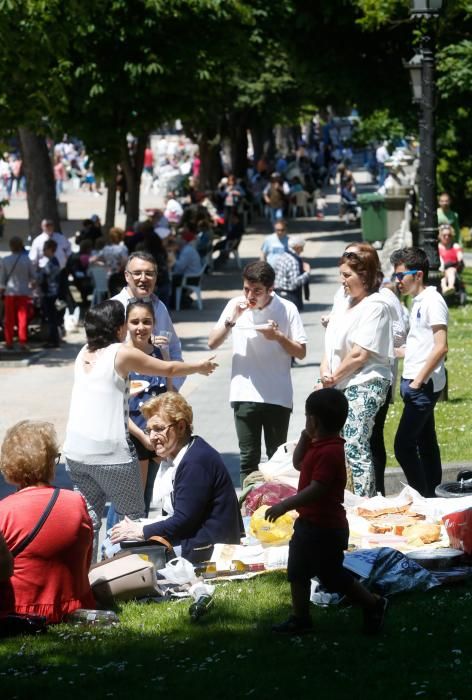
452 258
50 575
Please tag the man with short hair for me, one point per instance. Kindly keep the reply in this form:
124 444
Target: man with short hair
276 244
423 377
267 332
141 278
291 272
63 250
447 216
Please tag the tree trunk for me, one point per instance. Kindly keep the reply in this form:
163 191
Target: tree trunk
111 198
211 169
263 141
132 164
238 140
40 185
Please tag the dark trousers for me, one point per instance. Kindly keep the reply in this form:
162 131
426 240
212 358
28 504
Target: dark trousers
377 445
416 445
51 318
251 418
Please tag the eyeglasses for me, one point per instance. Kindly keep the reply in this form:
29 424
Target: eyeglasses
279 230
159 429
400 275
140 300
137 274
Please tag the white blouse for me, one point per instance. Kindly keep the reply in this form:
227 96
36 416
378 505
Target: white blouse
96 430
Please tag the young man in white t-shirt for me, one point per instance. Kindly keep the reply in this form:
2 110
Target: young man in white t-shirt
424 375
267 332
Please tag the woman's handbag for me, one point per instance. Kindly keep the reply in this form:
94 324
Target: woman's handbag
132 572
157 549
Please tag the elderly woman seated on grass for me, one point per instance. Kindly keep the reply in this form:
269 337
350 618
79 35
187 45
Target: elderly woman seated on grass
205 506
50 575
6 560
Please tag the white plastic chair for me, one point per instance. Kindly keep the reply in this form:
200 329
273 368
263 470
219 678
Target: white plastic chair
234 252
99 275
194 284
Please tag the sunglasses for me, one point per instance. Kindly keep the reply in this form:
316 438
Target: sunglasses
400 275
350 255
142 300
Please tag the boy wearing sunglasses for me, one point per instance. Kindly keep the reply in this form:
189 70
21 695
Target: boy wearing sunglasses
424 375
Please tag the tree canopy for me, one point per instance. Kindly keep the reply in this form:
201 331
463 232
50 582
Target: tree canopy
101 70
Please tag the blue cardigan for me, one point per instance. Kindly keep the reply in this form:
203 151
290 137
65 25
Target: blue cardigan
206 510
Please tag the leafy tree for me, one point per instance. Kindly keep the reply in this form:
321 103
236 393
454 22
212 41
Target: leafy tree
377 126
32 96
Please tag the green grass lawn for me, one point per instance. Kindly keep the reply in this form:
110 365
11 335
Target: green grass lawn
425 650
453 417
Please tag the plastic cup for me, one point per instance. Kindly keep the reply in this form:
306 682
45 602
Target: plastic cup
165 334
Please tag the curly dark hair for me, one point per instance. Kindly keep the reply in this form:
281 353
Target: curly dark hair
102 323
330 407
259 272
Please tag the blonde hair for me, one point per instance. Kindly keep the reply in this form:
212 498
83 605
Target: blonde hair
171 404
28 453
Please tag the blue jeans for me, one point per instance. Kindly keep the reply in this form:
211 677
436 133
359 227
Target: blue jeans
416 445
276 214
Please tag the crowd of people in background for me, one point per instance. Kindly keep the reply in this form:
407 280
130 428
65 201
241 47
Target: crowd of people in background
118 440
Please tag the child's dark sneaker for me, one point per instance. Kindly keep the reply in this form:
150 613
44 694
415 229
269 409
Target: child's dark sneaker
294 626
374 619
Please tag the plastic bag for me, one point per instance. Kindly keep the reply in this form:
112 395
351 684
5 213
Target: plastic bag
388 571
71 321
280 468
267 495
178 570
279 532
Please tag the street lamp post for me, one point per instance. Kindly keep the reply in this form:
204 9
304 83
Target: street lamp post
425 93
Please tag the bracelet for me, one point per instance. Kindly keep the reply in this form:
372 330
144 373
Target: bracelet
229 324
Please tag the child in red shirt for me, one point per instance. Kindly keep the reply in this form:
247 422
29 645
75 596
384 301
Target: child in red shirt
321 531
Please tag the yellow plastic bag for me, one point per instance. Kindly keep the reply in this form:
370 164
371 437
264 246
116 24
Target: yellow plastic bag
279 532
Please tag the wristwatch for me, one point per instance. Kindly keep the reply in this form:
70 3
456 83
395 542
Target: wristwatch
229 323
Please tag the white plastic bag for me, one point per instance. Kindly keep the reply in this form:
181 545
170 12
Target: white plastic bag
178 570
279 468
71 320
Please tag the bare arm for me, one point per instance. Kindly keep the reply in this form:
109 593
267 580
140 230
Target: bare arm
438 352
291 347
303 444
139 434
133 360
219 334
310 493
354 360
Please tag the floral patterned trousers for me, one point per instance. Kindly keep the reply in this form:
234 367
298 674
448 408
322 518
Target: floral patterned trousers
364 402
